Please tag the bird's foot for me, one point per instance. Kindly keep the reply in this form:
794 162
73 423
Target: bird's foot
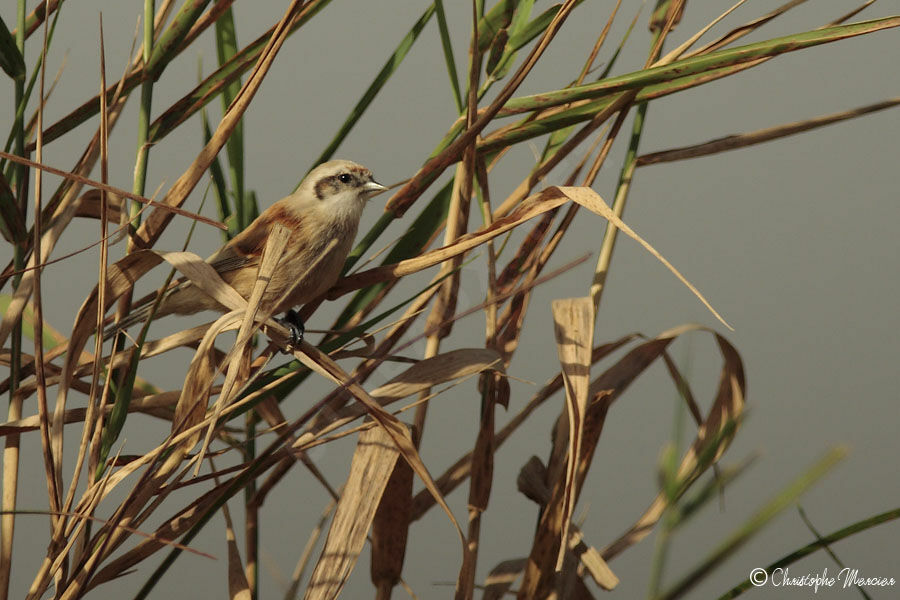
292 321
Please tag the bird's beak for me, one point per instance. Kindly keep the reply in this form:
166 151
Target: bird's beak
371 189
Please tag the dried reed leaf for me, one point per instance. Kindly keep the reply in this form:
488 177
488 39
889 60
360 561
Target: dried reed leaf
529 208
592 561
120 279
603 391
58 219
238 586
532 481
321 363
89 205
591 200
461 469
198 382
76 415
499 581
371 468
573 325
57 224
436 370
390 529
171 529
401 201
238 359
205 277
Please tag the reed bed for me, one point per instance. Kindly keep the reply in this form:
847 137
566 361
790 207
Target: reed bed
110 514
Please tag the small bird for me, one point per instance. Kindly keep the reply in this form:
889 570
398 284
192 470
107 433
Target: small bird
327 206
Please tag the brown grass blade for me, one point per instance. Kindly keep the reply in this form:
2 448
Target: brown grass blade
536 205
573 325
171 529
438 321
59 213
147 404
593 563
303 561
499 581
532 207
455 365
605 389
390 529
403 199
745 29
114 190
198 382
371 468
743 140
90 206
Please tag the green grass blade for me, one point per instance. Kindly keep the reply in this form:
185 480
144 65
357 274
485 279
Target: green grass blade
188 105
20 107
10 218
496 19
823 542
144 112
697 65
559 136
169 42
447 47
756 522
11 60
503 50
226 49
530 129
219 186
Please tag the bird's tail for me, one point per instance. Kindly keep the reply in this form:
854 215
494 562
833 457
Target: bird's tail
141 309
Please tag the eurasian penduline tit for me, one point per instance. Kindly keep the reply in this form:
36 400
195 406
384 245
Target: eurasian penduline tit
322 217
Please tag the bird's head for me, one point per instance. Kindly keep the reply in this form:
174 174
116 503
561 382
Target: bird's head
340 183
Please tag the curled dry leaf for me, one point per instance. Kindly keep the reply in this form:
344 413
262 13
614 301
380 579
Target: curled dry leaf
725 412
529 208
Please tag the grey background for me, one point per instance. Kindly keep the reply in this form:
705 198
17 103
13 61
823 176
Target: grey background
793 241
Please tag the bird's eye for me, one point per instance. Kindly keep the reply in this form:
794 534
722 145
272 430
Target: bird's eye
345 178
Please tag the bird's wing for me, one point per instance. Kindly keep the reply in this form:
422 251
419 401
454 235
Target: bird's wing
245 249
